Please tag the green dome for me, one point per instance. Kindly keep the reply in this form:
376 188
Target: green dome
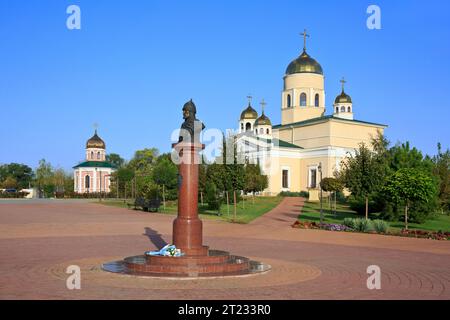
263 120
304 64
249 113
343 98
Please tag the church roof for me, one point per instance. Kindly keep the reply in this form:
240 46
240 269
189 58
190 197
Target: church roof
263 120
95 164
280 143
249 113
324 119
304 64
95 142
343 98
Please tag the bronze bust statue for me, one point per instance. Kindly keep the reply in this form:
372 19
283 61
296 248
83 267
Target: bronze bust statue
191 127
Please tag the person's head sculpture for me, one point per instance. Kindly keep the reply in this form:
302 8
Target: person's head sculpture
191 126
189 110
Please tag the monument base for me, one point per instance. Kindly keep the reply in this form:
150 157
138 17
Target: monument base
216 263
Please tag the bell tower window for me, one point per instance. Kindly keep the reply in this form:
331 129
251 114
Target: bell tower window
248 126
87 182
288 100
303 100
349 109
316 100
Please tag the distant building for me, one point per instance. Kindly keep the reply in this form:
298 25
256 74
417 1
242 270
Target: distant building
94 174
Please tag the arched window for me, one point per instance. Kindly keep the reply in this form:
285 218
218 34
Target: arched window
92 155
98 155
248 126
87 182
242 126
342 109
267 131
256 131
303 100
349 109
337 109
288 100
316 100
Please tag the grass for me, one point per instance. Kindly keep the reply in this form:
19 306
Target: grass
246 210
311 212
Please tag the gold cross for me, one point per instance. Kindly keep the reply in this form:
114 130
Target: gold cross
263 104
304 34
249 97
95 126
343 83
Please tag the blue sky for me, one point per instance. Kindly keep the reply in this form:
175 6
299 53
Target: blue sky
134 63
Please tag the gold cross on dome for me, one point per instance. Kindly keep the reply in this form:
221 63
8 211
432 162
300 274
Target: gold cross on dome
343 83
249 97
263 104
304 34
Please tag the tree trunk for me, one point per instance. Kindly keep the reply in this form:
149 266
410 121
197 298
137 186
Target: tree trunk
367 208
228 204
335 204
234 195
117 187
253 198
406 216
164 198
243 202
201 197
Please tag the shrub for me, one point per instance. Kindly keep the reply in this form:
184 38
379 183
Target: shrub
350 222
380 226
363 225
212 198
304 194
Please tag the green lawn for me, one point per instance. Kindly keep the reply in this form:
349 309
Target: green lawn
246 210
311 212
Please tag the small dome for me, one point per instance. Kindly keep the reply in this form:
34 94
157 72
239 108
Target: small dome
343 98
304 64
263 120
249 113
95 142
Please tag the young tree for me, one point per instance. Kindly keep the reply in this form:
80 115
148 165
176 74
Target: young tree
331 185
44 178
363 174
254 180
408 185
165 174
442 171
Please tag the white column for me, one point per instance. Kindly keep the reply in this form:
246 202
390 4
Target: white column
311 97
80 179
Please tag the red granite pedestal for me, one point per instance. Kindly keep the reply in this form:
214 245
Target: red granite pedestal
198 260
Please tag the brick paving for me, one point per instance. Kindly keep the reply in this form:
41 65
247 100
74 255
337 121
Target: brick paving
39 239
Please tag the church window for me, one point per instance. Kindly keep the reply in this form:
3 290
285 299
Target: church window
288 100
87 182
98 155
242 126
316 100
313 178
349 110
342 109
303 100
92 155
267 131
285 179
248 126
337 109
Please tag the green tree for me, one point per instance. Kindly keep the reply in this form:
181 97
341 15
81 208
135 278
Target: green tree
10 183
331 185
363 174
45 178
115 159
254 180
22 173
442 171
409 185
165 174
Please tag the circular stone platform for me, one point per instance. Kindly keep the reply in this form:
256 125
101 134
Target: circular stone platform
216 263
